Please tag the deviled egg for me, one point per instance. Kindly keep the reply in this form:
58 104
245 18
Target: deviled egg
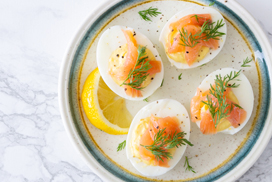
129 63
230 100
166 118
193 36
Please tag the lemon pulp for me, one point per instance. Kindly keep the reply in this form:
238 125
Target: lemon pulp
104 109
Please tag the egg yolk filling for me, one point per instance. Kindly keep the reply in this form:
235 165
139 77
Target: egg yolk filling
191 24
200 112
123 61
144 135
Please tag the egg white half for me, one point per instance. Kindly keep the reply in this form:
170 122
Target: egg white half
162 108
243 92
195 10
109 41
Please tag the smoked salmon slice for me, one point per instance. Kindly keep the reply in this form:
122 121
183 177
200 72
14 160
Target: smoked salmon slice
192 25
171 125
236 117
130 62
193 19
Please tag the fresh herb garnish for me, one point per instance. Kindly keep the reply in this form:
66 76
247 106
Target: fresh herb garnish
150 11
121 146
146 100
187 165
208 31
246 61
139 73
212 3
179 77
219 109
196 17
163 142
162 82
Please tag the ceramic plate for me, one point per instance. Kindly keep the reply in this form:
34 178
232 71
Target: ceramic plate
219 157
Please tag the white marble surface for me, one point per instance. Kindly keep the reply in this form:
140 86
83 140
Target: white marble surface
34 36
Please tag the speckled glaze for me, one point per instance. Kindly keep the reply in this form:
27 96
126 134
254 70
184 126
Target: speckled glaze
221 157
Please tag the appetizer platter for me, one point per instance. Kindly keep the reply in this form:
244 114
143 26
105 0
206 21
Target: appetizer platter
168 90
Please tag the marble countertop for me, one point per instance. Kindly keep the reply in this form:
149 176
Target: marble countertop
34 36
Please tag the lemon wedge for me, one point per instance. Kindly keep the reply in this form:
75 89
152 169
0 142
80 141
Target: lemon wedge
104 109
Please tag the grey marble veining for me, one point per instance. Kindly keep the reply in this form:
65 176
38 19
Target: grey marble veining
34 36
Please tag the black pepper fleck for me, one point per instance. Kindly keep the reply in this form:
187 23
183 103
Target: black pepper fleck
187 52
117 55
122 56
152 78
125 89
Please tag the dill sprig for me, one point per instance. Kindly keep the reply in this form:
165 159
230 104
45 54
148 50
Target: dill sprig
163 142
146 100
208 31
212 3
246 61
150 11
219 109
187 165
121 146
179 77
196 17
162 82
139 73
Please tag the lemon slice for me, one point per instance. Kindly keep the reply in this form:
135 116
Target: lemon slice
104 108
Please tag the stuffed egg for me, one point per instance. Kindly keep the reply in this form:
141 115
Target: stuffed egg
167 118
233 108
129 63
187 37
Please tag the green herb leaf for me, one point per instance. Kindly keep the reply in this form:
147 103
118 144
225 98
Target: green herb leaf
179 77
218 109
246 61
187 165
163 142
139 73
151 12
212 3
208 31
146 100
121 146
162 82
196 17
